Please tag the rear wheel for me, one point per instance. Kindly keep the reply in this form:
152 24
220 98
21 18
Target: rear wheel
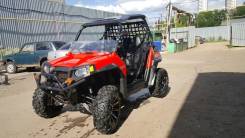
160 88
11 68
106 109
44 105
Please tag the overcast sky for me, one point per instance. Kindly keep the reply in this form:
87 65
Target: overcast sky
152 8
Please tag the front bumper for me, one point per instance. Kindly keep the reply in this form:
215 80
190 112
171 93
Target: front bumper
54 84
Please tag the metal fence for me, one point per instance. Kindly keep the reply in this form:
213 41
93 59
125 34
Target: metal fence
238 34
217 33
185 33
23 21
189 34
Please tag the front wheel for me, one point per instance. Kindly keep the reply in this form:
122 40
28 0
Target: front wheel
106 109
160 87
44 105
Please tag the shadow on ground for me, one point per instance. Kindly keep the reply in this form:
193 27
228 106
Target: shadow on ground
134 101
215 107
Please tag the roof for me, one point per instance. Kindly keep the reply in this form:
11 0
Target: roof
115 20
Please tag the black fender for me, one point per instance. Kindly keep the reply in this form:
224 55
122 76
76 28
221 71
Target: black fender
122 79
9 60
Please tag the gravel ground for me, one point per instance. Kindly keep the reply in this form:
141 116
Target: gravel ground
206 99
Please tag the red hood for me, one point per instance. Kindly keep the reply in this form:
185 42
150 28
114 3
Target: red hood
76 60
98 59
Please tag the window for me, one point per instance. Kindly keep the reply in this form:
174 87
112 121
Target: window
28 48
43 46
58 45
66 47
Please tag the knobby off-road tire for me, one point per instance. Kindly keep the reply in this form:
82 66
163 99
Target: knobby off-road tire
160 87
11 68
106 109
44 105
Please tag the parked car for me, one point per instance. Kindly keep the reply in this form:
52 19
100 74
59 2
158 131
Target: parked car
30 55
99 75
61 52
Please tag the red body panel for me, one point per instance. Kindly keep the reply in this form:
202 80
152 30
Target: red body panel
150 58
98 59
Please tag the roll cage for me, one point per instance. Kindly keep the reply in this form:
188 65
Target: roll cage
116 27
134 40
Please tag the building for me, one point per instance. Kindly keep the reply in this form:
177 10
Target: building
202 5
230 4
24 21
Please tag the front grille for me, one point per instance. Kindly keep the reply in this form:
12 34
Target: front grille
62 74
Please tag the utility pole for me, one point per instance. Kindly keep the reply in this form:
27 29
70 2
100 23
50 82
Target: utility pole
169 7
161 20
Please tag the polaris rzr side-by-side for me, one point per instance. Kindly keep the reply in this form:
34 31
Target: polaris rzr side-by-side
109 60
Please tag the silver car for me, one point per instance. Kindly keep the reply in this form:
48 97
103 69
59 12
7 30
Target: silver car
61 52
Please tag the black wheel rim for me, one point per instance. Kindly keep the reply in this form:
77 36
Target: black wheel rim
115 112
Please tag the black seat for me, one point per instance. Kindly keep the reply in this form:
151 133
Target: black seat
133 56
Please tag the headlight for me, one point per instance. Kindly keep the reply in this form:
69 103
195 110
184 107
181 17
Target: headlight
84 71
47 68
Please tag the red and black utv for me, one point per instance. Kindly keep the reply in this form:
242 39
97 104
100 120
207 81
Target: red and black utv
109 59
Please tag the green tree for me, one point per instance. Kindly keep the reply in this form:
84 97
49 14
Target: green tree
182 21
210 18
238 12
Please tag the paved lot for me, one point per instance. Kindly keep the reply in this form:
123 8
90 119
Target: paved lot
207 99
